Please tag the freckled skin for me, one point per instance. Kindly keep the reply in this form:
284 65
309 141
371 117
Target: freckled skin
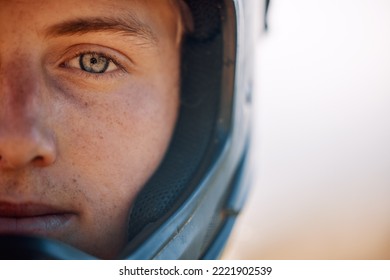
81 143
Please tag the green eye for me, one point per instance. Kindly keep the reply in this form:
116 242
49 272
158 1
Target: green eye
94 63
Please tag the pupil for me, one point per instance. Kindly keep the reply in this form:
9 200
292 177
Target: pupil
93 60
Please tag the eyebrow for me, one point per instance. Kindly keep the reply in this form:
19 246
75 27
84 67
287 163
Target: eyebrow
127 26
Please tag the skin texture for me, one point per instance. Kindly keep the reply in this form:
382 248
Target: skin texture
76 146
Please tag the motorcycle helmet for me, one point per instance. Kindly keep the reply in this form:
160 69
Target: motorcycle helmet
188 207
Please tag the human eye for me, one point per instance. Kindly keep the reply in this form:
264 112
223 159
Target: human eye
93 63
86 65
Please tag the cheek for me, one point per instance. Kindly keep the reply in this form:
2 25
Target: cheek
116 141
112 142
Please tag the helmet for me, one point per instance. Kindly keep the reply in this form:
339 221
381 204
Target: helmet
188 207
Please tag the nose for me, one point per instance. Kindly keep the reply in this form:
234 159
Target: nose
25 140
22 148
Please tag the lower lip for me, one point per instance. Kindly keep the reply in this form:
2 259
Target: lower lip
44 224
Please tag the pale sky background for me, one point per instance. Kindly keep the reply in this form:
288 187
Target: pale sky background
322 136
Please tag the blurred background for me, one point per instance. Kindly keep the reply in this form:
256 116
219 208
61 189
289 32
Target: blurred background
322 135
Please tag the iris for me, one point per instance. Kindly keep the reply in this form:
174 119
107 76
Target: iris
94 63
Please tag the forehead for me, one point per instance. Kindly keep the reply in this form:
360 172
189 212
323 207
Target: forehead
85 6
160 16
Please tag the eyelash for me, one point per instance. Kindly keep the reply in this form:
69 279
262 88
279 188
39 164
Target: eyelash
111 59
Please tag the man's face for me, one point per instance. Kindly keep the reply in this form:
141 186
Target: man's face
88 101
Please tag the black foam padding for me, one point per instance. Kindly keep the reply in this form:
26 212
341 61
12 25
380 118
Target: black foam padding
179 172
207 18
